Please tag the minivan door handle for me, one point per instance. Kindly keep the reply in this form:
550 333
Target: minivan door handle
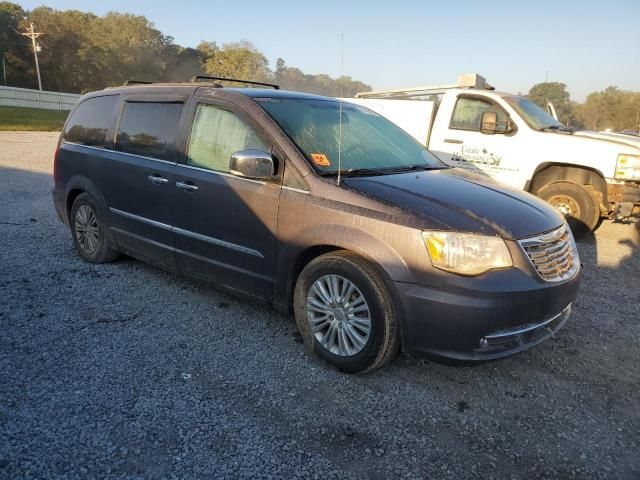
452 140
187 187
157 179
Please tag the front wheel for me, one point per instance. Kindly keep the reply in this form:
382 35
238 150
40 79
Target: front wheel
345 313
576 203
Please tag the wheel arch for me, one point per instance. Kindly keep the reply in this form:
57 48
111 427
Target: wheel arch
306 255
551 172
80 184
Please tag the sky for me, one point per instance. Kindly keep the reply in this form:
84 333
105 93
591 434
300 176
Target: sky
589 45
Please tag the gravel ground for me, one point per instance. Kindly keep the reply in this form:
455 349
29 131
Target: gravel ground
126 371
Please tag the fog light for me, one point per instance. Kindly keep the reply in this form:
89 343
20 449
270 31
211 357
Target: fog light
484 342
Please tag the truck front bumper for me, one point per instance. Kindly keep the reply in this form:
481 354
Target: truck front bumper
625 198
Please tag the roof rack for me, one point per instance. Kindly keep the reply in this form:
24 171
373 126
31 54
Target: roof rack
468 80
197 78
136 82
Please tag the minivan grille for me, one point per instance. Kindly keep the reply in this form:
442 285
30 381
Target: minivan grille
553 255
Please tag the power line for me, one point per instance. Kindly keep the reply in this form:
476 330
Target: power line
32 34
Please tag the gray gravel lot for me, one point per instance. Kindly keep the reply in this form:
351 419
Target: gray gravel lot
126 371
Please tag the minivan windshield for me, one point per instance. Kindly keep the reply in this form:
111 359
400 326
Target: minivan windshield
535 116
364 143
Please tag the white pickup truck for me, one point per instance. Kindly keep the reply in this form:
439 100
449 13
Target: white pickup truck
586 175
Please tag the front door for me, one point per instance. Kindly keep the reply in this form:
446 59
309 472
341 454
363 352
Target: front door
464 145
225 226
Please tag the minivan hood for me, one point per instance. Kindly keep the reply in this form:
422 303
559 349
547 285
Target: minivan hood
463 201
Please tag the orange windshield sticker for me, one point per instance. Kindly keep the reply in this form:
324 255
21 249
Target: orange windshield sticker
320 159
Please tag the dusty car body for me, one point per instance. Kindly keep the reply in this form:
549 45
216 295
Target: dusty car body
260 234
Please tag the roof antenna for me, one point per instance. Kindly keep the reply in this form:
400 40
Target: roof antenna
340 107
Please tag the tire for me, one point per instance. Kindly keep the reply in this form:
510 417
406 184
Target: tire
349 349
577 204
93 245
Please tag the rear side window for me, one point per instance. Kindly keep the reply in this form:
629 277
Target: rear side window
149 129
90 121
468 114
216 135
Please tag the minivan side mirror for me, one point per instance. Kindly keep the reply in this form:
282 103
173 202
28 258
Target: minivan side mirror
255 164
489 122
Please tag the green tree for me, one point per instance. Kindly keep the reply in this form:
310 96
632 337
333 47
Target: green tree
611 108
235 60
15 48
556 93
291 78
83 51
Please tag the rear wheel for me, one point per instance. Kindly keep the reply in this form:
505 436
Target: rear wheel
345 313
89 231
576 203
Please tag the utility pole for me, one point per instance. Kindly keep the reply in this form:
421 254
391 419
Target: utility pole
32 34
4 70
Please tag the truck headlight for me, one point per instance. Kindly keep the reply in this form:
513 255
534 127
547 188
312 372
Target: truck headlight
628 167
466 253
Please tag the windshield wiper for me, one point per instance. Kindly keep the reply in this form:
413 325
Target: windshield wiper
365 171
354 172
557 128
413 168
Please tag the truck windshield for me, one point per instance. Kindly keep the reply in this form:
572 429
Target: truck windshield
370 144
535 116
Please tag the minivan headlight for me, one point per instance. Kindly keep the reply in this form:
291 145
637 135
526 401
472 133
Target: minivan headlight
628 167
466 253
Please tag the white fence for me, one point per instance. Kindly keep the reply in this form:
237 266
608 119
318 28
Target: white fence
25 97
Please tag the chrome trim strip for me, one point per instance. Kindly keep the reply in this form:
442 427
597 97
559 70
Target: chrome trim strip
218 242
222 174
148 221
102 149
291 189
187 233
543 238
528 328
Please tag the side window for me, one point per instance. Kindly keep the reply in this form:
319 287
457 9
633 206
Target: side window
216 134
149 129
467 114
90 121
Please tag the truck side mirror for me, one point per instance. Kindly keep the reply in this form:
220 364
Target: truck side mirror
489 122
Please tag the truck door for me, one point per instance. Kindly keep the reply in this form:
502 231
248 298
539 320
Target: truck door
462 144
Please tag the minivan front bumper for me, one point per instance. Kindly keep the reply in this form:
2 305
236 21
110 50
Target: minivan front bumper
473 324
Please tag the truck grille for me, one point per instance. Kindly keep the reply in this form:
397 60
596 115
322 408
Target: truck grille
553 255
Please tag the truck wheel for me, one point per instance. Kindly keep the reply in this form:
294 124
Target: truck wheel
89 231
345 313
575 202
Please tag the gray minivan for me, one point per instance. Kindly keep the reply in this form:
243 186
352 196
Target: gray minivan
322 208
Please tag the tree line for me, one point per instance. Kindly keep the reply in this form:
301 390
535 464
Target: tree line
83 52
611 108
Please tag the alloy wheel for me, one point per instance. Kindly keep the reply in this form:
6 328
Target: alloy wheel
338 315
86 227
